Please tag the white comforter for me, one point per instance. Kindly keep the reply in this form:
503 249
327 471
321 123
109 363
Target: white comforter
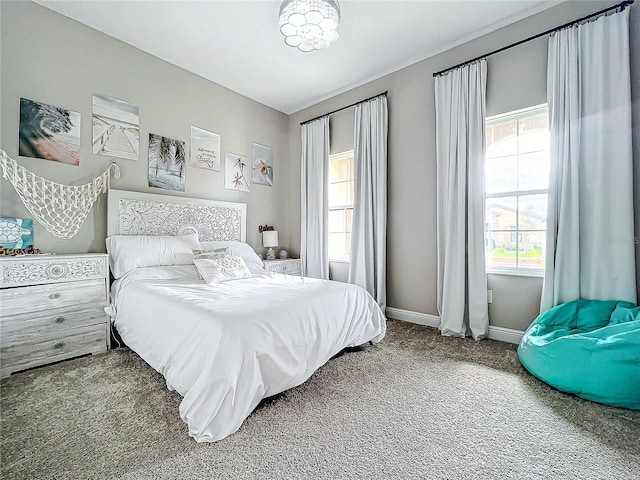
226 347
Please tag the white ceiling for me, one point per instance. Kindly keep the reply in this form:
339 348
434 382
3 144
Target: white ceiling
237 44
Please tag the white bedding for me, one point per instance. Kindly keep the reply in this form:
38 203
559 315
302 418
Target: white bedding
227 346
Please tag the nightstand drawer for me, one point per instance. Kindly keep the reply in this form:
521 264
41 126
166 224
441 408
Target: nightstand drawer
52 348
29 327
14 301
289 266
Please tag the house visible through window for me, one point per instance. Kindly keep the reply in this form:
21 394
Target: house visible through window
517 181
340 205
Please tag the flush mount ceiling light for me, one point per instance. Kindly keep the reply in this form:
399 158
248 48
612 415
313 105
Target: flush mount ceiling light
309 24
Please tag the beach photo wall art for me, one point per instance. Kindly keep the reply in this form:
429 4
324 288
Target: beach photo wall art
262 165
205 149
116 128
236 170
167 163
48 132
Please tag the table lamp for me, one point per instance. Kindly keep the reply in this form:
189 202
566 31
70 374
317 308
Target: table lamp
270 240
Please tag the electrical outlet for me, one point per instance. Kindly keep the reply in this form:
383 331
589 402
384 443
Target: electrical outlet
489 296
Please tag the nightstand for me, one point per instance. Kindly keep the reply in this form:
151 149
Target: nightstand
51 309
288 266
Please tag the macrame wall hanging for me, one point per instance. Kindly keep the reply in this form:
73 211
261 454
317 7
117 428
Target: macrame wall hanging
61 209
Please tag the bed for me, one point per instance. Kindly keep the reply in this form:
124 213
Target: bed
223 346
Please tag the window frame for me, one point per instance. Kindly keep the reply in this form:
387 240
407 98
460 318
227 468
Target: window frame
516 115
343 207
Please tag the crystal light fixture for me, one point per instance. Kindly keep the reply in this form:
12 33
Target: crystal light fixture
309 24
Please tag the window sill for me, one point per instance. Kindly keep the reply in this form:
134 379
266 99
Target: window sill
339 260
516 272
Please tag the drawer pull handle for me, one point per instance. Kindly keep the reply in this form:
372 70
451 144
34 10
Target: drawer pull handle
58 319
54 296
58 345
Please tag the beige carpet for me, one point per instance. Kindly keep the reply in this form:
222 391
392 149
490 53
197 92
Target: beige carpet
416 406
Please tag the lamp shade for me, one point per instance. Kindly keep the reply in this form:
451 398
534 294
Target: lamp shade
270 238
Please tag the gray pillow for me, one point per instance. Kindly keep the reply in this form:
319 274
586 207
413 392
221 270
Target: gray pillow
211 254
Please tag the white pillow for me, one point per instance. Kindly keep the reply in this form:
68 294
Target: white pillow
239 249
223 269
127 252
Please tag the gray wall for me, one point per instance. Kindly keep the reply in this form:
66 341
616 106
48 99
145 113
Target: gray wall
517 78
50 58
53 59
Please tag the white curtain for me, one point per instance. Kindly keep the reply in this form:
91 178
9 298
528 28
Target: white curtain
314 250
460 147
590 236
368 263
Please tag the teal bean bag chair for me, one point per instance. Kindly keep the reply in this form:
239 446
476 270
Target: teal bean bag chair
589 348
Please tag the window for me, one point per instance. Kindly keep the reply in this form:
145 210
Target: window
340 205
517 181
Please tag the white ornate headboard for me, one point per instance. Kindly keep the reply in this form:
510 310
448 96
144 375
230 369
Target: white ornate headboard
135 213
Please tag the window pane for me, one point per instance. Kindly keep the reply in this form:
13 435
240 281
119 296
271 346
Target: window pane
501 174
341 169
340 194
500 251
336 221
533 133
502 139
533 212
532 247
501 213
349 219
501 239
337 245
533 171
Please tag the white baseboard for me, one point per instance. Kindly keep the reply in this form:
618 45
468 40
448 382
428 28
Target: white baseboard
501 334
413 317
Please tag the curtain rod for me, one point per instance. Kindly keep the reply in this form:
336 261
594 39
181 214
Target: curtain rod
344 108
621 6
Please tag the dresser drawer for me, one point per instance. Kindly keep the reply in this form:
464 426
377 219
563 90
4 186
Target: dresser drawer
40 270
89 293
29 327
53 347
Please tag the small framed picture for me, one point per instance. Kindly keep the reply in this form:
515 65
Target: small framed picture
235 173
16 232
205 149
262 165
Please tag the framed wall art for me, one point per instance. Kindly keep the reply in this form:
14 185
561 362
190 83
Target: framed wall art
262 165
167 163
235 173
48 132
205 149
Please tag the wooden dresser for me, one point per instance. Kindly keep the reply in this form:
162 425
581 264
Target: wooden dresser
51 309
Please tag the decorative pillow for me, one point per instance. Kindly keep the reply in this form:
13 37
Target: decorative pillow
239 249
127 252
221 269
212 254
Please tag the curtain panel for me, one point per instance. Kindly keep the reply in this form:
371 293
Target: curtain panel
590 232
368 263
460 147
314 237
